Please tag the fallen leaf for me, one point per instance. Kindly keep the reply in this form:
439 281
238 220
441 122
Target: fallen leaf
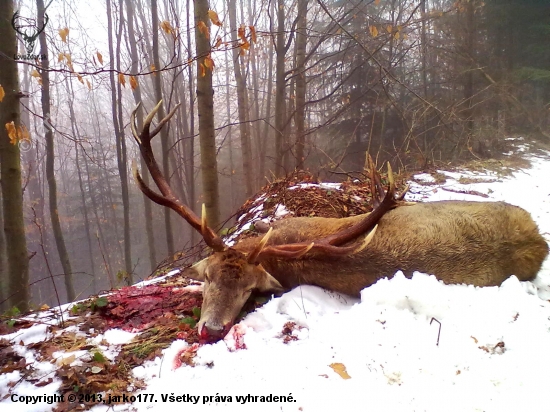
340 369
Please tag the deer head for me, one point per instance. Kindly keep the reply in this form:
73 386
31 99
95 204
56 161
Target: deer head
29 39
231 274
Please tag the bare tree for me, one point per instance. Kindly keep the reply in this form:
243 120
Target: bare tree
137 99
244 125
50 161
205 101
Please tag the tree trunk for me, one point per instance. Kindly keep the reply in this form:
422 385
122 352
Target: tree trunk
76 134
147 203
50 161
190 152
120 143
241 102
267 122
205 101
280 87
3 261
299 119
164 131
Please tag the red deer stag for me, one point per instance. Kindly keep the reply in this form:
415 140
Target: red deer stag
477 243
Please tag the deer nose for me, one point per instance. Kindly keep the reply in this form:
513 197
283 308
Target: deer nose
210 333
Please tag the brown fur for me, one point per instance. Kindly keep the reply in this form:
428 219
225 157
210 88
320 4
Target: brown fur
477 243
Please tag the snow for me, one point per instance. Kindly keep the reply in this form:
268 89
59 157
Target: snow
406 344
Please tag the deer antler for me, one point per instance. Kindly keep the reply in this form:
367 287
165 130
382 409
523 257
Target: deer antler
331 245
167 197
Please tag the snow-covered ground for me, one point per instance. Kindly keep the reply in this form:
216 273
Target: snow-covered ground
383 352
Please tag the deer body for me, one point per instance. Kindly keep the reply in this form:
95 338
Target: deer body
477 243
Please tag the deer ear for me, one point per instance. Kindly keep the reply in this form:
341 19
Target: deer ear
196 271
268 283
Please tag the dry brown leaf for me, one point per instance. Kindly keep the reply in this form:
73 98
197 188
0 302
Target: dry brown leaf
253 34
2 93
202 70
63 33
241 33
99 57
218 43
61 57
122 79
88 84
80 79
340 369
209 63
373 31
214 18
12 132
66 360
377 2
166 27
203 29
133 82
34 73
69 60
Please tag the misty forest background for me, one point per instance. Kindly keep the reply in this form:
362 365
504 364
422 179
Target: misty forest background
266 87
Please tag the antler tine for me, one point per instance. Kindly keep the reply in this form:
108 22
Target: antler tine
133 125
331 245
167 197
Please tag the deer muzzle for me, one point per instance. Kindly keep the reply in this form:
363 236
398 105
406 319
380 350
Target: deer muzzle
212 332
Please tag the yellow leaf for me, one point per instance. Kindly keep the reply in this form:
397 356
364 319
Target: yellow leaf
133 82
209 63
44 307
396 35
69 60
34 73
61 57
2 93
373 31
122 79
340 369
166 27
214 18
12 132
79 77
99 57
153 68
253 34
63 33
65 361
203 29
202 70
88 84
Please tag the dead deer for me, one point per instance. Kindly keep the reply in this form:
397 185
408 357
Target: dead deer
477 243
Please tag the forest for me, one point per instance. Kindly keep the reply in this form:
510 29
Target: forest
260 89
